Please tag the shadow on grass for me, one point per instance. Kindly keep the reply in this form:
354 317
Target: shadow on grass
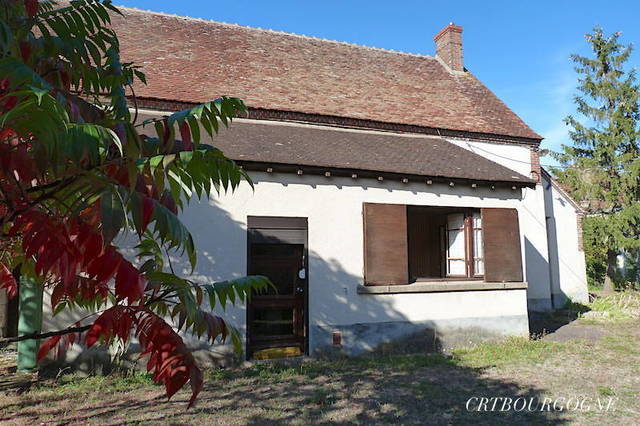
542 323
408 389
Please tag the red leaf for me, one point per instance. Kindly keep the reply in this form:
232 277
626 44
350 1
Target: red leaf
167 130
146 187
25 50
195 378
130 284
58 293
8 281
121 132
7 134
22 163
58 344
147 212
105 266
116 321
215 326
118 173
168 201
185 134
171 361
75 112
32 7
91 243
46 347
10 103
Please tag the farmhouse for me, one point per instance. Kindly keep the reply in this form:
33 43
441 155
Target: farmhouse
395 195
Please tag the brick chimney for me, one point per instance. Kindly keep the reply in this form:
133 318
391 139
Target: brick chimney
449 46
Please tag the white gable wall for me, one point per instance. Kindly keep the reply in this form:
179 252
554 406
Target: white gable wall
567 261
532 217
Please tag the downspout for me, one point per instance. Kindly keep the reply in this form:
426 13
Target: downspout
550 266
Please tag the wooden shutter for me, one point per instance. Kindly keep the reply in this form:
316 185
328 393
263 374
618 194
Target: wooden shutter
385 244
501 235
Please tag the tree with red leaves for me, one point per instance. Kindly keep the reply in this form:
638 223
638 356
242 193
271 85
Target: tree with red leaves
76 171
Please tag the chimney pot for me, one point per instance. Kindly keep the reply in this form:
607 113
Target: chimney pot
449 46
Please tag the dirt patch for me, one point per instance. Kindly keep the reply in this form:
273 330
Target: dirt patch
577 331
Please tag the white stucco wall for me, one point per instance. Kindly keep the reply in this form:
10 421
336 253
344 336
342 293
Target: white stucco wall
333 207
567 261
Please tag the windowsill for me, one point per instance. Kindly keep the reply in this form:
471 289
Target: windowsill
439 286
449 280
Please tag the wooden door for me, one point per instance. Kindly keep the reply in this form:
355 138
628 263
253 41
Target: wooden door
277 318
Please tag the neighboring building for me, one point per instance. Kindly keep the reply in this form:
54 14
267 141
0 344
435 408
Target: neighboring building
394 193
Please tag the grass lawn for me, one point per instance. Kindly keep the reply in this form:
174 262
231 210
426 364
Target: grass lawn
603 365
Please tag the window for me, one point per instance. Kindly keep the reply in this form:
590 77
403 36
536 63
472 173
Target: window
444 242
403 244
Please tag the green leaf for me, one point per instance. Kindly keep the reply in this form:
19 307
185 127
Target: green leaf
6 38
18 74
173 232
237 289
112 214
39 93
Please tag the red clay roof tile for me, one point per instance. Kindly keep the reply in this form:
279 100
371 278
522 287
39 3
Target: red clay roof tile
193 60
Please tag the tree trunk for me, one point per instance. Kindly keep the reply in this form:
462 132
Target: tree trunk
612 265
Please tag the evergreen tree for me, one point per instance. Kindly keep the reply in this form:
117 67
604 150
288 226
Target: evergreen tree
602 167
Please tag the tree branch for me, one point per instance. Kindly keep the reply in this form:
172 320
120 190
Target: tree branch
5 341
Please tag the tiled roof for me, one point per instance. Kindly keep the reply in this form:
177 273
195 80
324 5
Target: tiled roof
193 60
350 149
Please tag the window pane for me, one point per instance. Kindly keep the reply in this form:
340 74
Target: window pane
478 252
477 243
455 221
477 220
456 244
456 267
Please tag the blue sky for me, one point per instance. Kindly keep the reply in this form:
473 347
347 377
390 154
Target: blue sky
519 49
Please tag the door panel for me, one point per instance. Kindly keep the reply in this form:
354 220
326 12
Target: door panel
276 318
272 321
280 262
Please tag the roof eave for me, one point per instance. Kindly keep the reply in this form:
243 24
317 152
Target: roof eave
169 105
287 168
